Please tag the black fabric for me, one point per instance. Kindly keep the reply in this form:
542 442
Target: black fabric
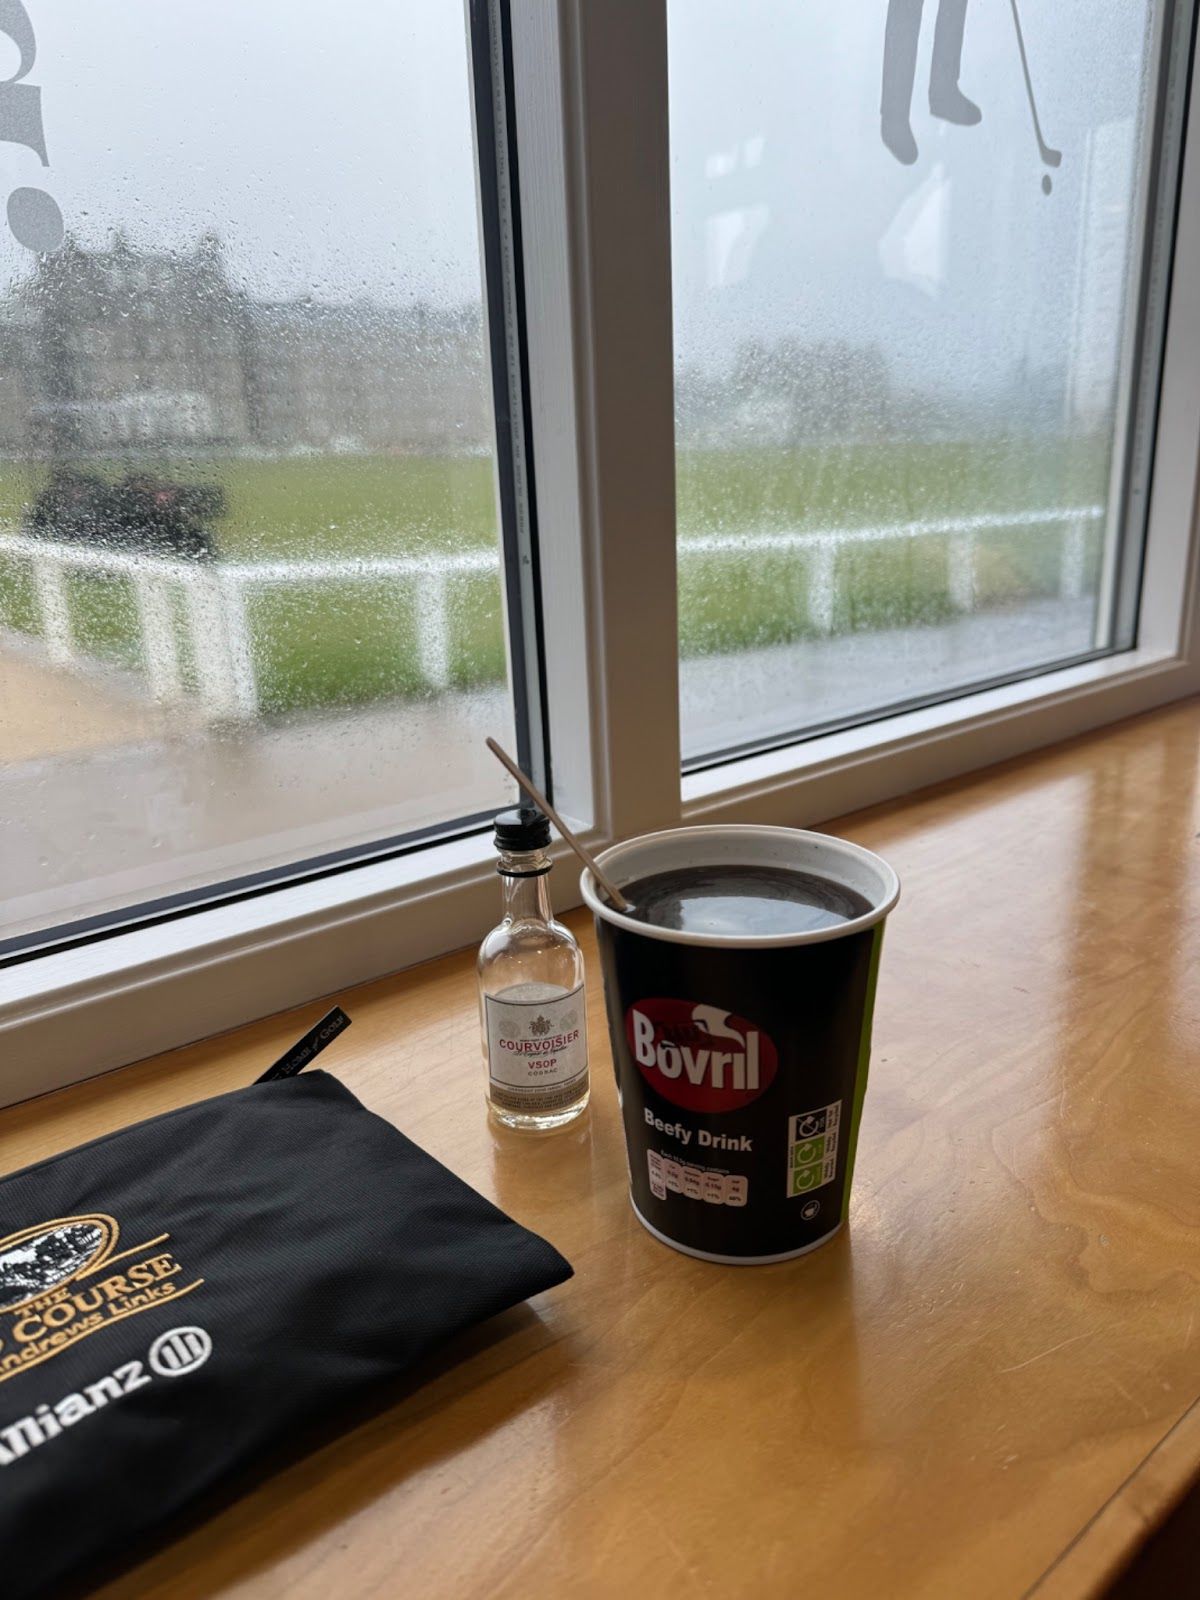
177 1296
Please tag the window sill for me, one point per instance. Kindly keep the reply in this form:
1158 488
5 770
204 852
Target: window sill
80 1012
84 1011
839 772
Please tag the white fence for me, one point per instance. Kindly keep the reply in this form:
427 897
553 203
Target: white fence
210 598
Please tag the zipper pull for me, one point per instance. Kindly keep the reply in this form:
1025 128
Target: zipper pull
304 1050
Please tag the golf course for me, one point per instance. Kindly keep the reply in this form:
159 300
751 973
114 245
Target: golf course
319 641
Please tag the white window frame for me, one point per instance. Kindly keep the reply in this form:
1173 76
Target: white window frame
591 114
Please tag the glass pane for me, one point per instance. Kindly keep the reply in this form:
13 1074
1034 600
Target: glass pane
250 588
905 239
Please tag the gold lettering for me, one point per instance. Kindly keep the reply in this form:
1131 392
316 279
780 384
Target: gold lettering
60 1317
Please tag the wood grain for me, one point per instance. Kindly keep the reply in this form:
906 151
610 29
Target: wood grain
945 1400
1122 1527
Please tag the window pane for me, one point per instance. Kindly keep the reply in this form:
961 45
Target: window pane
903 345
250 596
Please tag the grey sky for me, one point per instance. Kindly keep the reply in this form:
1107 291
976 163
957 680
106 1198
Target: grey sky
330 146
328 143
957 264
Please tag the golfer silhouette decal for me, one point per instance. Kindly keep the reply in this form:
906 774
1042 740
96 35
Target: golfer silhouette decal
946 99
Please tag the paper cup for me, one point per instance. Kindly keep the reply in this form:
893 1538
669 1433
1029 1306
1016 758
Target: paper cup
741 1060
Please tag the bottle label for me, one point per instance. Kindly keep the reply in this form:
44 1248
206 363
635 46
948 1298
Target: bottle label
537 1041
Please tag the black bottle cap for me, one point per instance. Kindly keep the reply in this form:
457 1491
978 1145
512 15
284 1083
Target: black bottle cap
523 828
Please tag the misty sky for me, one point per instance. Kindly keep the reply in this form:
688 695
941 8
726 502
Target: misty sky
958 264
330 146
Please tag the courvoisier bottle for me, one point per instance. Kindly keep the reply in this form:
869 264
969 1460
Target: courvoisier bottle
531 991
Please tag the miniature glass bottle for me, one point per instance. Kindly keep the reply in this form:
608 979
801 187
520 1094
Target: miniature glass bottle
531 990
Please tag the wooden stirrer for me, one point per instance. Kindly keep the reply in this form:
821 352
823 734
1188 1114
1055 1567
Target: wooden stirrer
606 883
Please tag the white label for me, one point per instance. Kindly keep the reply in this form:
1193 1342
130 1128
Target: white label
812 1149
710 1184
535 1042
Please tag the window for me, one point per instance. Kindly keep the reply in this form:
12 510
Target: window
250 569
909 302
618 379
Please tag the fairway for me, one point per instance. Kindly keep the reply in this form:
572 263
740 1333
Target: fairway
320 642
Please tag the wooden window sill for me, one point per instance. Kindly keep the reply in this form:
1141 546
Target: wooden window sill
984 1387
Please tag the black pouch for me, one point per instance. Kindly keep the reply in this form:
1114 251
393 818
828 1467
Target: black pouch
179 1295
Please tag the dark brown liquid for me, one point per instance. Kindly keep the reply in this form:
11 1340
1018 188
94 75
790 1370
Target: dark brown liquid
763 901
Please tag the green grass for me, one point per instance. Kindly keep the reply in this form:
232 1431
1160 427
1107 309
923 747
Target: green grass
759 598
311 507
856 485
312 649
883 585
326 644
18 601
477 653
104 617
314 507
727 604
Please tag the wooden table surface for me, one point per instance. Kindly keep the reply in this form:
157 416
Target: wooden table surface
979 1389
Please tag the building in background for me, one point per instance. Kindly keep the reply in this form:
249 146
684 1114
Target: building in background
122 350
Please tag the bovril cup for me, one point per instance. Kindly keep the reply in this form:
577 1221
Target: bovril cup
741 1060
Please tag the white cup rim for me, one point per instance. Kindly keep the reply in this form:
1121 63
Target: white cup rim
856 862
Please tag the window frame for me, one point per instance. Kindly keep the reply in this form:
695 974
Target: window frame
588 85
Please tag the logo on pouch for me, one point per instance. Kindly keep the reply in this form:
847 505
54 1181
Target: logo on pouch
62 1281
179 1351
172 1355
700 1057
40 1258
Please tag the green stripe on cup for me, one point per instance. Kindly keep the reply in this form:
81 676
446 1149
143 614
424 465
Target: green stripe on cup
864 1060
